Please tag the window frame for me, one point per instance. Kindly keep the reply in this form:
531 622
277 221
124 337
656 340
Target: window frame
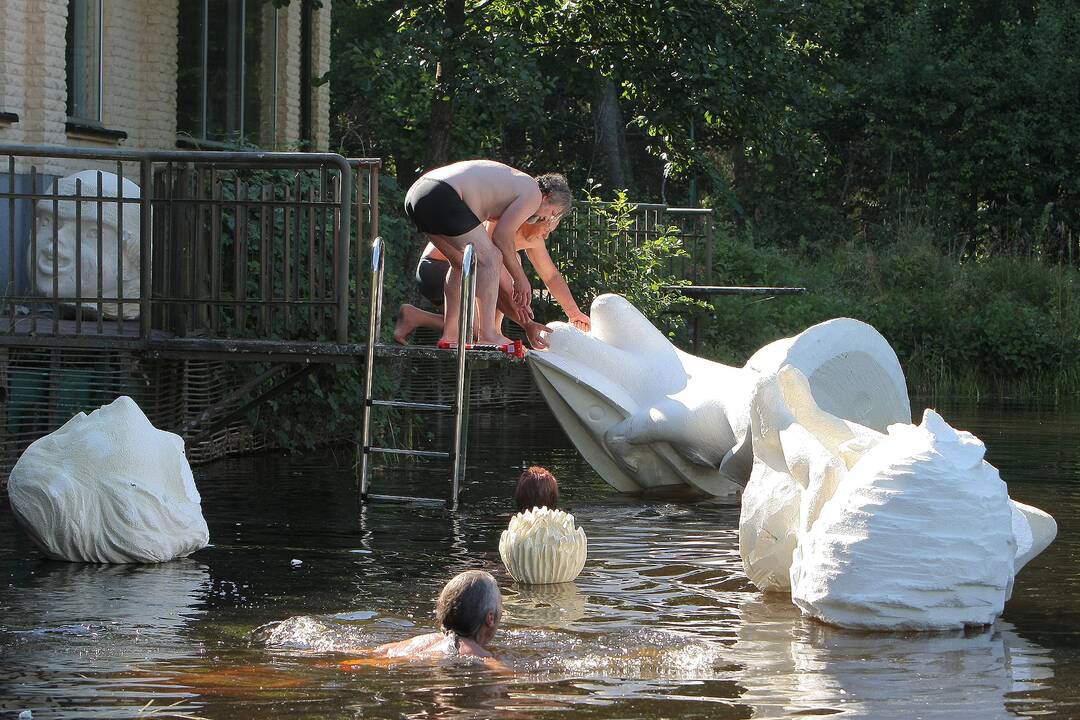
79 120
187 138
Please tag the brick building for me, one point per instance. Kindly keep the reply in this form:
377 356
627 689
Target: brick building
153 75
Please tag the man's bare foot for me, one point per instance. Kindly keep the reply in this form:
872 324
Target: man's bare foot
406 323
494 340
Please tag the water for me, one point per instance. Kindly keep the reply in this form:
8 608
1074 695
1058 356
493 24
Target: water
661 623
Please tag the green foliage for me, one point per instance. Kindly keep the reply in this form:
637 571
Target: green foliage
806 122
999 326
614 254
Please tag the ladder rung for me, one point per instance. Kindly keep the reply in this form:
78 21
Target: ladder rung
413 453
412 405
403 499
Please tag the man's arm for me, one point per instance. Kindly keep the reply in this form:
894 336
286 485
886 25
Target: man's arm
556 285
503 237
522 316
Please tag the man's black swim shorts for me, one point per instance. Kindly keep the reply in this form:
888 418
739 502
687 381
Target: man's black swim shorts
436 208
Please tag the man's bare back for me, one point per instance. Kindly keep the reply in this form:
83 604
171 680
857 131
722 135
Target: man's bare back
432 645
489 187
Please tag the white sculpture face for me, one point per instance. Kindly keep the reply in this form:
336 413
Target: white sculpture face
109 487
67 243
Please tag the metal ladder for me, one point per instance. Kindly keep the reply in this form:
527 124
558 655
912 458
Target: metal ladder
460 407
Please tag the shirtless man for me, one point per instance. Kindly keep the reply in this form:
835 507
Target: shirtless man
468 610
450 204
436 286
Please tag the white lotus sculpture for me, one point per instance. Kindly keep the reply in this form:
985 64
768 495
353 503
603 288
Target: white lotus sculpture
542 546
910 529
645 414
109 487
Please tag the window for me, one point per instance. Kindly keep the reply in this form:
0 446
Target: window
84 60
227 74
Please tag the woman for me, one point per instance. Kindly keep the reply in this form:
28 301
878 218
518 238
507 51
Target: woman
468 610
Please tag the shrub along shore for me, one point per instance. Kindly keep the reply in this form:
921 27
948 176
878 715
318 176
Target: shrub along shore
994 327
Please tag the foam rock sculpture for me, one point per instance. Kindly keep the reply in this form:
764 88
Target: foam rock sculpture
645 414
910 529
70 256
542 546
109 487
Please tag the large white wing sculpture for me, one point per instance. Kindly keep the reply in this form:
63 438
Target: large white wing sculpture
645 414
910 529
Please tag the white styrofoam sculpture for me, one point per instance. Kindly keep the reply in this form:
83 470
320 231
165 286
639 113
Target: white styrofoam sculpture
645 414
905 530
73 252
542 546
109 487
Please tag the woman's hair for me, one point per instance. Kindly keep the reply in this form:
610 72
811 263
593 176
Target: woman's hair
536 487
465 601
555 189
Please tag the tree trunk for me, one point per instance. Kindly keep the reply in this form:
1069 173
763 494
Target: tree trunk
442 98
611 135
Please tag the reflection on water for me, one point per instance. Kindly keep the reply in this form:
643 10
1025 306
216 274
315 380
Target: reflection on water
661 621
794 666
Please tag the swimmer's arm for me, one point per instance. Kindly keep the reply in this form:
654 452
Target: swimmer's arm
556 285
503 238
494 663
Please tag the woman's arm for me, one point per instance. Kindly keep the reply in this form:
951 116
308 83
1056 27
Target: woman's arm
556 285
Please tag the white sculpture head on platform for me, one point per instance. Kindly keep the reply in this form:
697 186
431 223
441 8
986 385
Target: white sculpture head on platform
67 238
543 546
108 487
645 414
910 529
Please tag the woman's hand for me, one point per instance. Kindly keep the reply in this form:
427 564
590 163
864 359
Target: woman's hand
534 333
521 315
581 321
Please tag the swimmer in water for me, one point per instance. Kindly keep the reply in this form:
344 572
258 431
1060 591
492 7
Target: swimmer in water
468 610
536 488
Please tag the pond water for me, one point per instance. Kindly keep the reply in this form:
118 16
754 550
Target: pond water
661 623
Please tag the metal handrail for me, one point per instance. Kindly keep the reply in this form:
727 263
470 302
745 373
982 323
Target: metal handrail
374 319
341 228
465 329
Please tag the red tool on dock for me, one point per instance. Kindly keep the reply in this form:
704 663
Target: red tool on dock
515 348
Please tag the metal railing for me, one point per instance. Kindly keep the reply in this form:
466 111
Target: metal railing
219 245
585 235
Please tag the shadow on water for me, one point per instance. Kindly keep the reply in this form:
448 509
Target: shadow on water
273 618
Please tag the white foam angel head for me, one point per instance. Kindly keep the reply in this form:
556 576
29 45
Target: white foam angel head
543 546
109 487
910 529
76 242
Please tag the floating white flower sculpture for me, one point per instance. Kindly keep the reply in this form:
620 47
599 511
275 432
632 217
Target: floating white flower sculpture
906 530
109 487
645 414
543 546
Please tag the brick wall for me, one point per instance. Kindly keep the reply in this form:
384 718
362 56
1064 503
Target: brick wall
139 76
289 73
139 64
321 61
